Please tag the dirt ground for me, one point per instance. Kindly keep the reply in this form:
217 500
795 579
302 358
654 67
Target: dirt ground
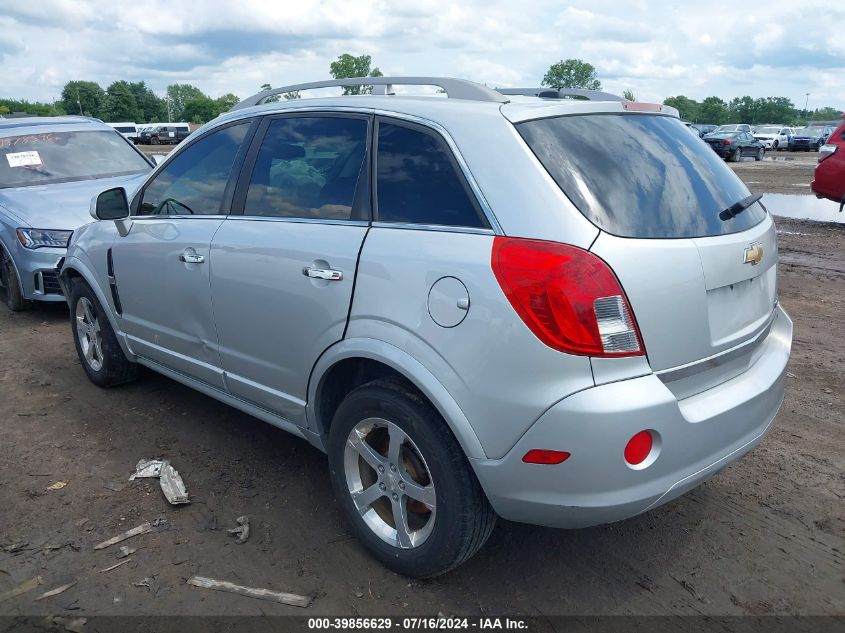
778 172
765 536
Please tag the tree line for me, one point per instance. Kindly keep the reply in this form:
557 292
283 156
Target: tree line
134 101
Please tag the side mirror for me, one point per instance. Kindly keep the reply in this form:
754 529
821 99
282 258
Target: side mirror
111 205
158 159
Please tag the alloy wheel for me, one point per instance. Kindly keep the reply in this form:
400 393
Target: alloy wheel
390 483
88 332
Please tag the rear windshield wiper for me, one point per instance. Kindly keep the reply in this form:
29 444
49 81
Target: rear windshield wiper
738 207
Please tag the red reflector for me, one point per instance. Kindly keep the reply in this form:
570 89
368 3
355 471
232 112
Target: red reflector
569 298
540 456
638 448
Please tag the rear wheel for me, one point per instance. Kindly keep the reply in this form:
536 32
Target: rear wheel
96 344
10 285
404 483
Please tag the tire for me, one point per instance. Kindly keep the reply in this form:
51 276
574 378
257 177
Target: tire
96 344
737 155
760 153
775 146
450 514
154 140
12 293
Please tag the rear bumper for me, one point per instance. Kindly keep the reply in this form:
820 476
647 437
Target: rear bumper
698 436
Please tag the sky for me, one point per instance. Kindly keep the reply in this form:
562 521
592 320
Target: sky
656 49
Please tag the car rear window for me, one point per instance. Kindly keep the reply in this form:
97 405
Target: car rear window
640 175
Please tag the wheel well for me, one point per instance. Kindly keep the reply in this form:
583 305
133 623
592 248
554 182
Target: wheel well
346 375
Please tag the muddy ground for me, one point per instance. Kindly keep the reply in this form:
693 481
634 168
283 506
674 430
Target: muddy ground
765 536
778 172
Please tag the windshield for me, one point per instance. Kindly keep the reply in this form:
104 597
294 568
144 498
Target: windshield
52 157
808 131
640 175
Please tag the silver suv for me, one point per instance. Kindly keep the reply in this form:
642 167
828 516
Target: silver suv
556 311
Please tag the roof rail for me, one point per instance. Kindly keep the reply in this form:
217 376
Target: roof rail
454 88
562 93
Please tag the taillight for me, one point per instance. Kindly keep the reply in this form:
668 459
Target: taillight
726 142
569 298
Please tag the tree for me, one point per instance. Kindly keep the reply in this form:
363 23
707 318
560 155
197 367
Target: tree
202 109
294 94
572 73
4 109
686 107
32 107
226 102
152 107
179 95
741 110
274 98
119 104
628 95
712 110
826 114
350 66
82 97
776 110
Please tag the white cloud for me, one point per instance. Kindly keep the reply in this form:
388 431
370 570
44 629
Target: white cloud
656 49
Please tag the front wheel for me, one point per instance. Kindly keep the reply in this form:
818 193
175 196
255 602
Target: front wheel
760 153
404 483
96 344
10 285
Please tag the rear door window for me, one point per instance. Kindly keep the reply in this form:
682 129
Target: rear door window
418 180
640 175
310 167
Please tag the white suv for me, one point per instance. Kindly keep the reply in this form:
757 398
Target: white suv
556 311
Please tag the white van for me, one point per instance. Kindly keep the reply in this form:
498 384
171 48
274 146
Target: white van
127 129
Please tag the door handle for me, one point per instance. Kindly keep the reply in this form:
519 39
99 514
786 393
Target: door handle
323 273
190 256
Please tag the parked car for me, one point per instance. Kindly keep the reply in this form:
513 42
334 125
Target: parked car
165 134
774 137
734 127
734 145
128 130
694 130
534 310
810 138
49 169
704 128
829 180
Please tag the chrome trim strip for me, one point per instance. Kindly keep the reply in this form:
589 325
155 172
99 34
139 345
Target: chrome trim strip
270 218
432 227
717 360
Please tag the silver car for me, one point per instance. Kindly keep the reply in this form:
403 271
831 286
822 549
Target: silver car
556 311
49 169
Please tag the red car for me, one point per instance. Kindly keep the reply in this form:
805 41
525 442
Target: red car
829 181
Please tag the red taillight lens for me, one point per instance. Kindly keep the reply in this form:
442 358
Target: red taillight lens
542 456
726 142
638 448
569 298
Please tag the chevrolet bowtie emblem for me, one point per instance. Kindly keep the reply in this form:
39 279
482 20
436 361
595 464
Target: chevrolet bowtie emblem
753 254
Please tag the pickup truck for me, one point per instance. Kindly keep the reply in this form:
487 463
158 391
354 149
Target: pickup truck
165 134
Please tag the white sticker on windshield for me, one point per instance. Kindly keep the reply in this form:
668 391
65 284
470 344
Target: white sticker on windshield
23 159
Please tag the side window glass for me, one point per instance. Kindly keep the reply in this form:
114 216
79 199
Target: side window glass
308 167
418 182
193 183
